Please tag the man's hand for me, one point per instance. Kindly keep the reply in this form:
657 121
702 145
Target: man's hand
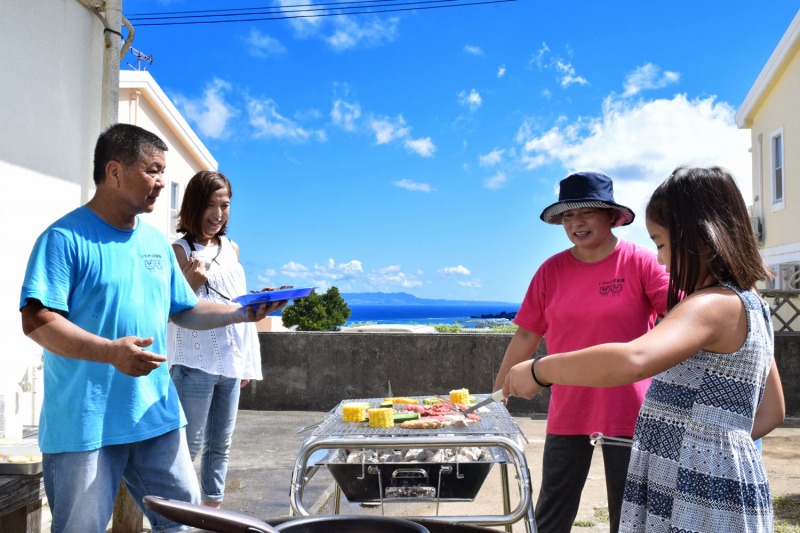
254 313
128 356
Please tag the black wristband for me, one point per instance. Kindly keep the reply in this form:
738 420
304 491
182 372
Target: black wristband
533 372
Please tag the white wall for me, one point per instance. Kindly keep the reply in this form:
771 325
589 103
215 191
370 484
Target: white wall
51 82
144 104
50 115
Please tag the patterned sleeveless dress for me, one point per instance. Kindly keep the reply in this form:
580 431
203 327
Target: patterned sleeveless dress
694 466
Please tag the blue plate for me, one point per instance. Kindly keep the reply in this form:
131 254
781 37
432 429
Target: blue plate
272 296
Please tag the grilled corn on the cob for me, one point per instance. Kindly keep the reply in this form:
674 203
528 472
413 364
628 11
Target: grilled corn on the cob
460 396
354 412
401 399
381 417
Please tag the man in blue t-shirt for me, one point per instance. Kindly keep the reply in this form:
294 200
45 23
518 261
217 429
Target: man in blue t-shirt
99 289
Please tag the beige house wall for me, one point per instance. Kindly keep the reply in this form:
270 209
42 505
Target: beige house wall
779 113
772 107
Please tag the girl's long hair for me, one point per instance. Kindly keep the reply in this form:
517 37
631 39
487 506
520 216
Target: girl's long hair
703 206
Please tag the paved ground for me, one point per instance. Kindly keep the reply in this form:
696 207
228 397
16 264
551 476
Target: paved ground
266 445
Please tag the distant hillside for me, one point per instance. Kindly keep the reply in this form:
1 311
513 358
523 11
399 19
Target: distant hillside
403 298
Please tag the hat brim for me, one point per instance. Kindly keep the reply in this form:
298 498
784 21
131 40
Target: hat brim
552 213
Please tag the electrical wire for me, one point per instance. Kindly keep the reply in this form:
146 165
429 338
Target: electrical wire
247 10
340 11
302 9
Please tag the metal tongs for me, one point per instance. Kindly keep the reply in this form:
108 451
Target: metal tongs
598 439
495 397
448 403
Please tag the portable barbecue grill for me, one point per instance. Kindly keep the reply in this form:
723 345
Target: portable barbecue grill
376 480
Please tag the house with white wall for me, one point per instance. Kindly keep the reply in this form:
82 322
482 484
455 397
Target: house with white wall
771 111
59 90
51 93
144 104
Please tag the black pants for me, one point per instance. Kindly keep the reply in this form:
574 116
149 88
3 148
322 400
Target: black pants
565 467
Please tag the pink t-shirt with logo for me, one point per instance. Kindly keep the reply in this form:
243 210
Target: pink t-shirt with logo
575 305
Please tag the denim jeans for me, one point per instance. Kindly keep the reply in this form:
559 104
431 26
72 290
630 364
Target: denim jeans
210 403
81 486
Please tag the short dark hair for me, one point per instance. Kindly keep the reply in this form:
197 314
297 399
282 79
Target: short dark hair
704 206
125 143
195 200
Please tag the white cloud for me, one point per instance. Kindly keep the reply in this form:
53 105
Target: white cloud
345 114
641 143
492 158
473 50
496 182
211 112
348 276
459 270
648 76
566 72
308 114
539 57
472 100
423 146
501 71
329 270
350 32
339 32
305 24
393 276
386 130
412 185
262 45
265 119
265 277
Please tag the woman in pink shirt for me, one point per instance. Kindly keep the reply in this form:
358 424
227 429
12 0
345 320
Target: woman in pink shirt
600 290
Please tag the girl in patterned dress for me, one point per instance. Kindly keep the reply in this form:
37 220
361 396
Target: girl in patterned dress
694 466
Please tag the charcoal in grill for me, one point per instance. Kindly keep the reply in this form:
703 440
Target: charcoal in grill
380 476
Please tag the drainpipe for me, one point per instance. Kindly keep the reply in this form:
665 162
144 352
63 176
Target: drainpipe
109 111
109 106
759 200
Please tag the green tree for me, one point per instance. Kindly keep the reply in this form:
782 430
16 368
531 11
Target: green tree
317 312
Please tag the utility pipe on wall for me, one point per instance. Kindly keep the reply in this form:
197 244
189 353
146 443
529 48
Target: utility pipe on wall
109 113
759 199
112 36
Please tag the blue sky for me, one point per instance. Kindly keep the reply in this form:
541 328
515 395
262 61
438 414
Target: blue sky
414 150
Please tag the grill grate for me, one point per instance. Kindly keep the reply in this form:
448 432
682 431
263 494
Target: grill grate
495 420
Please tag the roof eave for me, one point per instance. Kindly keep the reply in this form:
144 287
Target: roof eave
783 53
141 79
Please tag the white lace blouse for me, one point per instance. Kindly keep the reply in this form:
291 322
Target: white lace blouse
232 351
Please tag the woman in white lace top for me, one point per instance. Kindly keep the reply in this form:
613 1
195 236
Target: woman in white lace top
209 367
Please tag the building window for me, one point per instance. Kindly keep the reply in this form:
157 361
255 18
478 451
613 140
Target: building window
174 206
777 171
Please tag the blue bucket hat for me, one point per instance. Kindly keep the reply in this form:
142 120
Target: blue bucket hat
586 189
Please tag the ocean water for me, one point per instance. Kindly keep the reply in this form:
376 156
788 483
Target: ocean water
424 314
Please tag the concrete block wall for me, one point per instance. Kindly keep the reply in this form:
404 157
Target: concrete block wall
315 371
787 357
